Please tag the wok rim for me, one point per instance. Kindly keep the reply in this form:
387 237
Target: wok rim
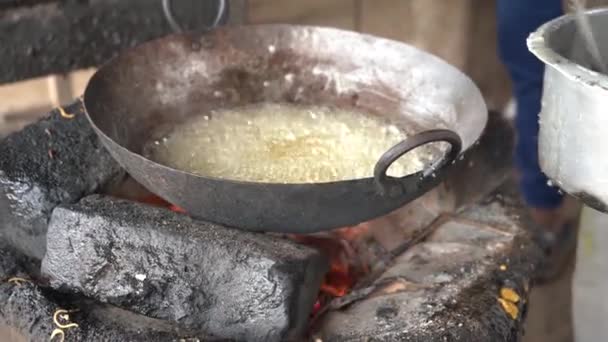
422 174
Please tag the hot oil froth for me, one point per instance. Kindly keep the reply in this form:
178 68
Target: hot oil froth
280 143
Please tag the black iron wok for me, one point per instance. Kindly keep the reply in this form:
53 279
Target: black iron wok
163 82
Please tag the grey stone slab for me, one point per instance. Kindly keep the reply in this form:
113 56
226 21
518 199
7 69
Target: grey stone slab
224 282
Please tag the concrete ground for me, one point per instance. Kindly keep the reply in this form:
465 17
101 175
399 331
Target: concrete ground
591 279
575 306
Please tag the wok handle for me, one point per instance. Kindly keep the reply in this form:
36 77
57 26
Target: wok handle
385 183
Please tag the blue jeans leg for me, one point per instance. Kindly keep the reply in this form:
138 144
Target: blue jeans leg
516 20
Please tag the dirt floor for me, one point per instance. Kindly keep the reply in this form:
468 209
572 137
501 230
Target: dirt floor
590 281
550 311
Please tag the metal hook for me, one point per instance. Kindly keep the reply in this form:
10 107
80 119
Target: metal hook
64 315
58 332
18 280
168 11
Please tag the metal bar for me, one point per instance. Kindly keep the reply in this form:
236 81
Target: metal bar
17 3
59 37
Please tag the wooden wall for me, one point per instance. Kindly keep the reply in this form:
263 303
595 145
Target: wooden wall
463 32
460 31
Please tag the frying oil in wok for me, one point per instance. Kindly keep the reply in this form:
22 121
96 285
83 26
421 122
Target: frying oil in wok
281 143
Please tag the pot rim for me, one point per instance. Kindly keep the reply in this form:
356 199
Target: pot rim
538 45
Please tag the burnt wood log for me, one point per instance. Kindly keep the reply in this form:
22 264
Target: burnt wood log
27 315
61 36
223 282
54 161
26 312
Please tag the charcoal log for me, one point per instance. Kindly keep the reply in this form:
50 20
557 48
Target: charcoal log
27 315
54 161
26 311
14 265
204 277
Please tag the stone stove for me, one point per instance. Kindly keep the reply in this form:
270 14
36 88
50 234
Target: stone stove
128 271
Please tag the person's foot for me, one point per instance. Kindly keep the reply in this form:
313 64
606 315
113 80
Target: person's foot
556 233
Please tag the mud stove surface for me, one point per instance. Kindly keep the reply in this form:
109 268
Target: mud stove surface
78 264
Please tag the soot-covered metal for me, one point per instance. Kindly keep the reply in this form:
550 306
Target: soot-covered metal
41 37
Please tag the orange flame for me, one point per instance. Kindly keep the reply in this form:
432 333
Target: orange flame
177 209
159 202
338 281
345 265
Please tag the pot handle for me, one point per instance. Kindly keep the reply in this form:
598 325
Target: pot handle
385 183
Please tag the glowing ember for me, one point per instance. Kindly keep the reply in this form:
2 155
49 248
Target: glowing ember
159 202
177 209
316 308
353 233
337 282
154 200
346 267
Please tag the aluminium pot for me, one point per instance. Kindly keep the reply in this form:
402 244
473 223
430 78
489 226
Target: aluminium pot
573 135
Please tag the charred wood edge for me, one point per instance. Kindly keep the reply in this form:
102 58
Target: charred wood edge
351 298
368 285
62 36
